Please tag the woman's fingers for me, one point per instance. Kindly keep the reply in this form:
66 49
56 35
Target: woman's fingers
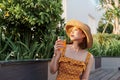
58 44
58 47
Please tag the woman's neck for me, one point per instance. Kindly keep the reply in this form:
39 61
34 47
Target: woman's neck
75 46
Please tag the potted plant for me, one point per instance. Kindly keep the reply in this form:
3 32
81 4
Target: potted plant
106 50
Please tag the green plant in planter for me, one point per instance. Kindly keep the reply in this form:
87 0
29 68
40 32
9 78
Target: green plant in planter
19 51
106 45
26 25
46 47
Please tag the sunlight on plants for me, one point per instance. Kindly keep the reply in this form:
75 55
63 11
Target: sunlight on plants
106 45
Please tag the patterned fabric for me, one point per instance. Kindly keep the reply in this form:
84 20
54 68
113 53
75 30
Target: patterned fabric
70 69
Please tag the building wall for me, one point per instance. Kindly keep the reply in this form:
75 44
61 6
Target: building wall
83 10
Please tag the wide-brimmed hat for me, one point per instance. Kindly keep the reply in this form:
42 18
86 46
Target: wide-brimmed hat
85 28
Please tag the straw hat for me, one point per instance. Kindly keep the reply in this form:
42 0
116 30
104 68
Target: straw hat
85 28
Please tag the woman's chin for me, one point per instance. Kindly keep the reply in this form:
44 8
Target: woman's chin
73 39
79 40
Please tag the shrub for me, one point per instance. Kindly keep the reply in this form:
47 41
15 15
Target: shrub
24 26
106 45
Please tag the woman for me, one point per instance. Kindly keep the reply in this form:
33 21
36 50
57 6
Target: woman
74 62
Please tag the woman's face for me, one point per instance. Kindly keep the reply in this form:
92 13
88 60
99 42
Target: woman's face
76 34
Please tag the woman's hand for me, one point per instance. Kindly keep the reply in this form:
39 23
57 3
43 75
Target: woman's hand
58 47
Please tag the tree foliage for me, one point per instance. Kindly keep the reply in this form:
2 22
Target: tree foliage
28 21
103 28
112 13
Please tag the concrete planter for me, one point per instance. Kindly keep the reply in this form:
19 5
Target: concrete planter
110 63
107 62
97 62
24 70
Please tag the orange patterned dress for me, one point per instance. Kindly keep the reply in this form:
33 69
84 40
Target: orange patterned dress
70 69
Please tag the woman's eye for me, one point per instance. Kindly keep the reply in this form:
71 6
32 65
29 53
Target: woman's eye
76 30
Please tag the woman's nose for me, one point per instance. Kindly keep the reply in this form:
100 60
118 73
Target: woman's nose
71 32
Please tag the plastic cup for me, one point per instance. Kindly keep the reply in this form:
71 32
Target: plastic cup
64 41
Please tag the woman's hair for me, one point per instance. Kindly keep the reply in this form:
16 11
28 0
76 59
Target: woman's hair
83 44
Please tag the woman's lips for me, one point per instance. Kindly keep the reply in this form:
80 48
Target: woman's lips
72 35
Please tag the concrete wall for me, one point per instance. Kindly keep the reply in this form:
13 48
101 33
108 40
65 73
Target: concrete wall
83 10
110 62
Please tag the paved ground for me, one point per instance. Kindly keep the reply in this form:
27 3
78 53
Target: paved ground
99 74
105 74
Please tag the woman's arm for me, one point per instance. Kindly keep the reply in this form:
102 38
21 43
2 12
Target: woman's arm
57 53
54 62
86 73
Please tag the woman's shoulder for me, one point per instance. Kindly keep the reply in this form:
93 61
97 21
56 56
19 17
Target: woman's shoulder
91 55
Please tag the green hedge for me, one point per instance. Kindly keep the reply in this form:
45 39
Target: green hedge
106 45
28 28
